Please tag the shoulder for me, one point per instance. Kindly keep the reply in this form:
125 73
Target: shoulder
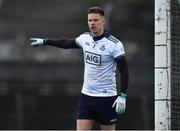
113 39
81 39
86 34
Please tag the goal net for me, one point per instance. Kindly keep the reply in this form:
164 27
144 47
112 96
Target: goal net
175 64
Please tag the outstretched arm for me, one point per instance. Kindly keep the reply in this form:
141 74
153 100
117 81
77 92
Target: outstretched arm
61 43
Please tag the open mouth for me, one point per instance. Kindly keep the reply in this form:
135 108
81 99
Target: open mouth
93 28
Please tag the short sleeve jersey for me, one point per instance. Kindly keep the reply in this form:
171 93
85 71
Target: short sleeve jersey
100 65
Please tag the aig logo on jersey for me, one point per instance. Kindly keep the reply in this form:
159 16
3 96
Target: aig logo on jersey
92 58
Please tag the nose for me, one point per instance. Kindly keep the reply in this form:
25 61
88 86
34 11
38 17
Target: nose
92 22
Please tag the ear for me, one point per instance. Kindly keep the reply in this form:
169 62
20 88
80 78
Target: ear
104 21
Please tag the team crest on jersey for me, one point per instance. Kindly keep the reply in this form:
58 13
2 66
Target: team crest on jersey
87 43
92 58
102 48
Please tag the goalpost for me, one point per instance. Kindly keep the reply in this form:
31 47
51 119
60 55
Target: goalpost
162 65
167 64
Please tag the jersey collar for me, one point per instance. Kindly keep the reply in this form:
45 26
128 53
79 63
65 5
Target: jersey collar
105 34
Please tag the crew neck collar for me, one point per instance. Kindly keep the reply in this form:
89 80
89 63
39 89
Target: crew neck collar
105 34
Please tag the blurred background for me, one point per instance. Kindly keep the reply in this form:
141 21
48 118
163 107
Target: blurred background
40 87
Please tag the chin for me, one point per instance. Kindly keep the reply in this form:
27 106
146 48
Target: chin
94 32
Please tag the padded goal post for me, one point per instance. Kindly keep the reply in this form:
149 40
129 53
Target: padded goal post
162 65
167 64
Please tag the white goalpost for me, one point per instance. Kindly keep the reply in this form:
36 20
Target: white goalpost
162 65
167 64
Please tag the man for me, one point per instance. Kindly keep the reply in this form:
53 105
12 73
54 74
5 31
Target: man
102 52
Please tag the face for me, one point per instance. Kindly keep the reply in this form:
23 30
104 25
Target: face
96 23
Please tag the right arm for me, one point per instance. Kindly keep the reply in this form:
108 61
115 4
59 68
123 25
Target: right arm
61 43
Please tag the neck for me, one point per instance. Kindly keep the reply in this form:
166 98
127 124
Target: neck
98 34
104 34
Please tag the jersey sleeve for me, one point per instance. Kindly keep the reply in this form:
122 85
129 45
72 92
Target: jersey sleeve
79 40
118 50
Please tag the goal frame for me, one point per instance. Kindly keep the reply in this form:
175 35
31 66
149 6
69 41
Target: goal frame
162 66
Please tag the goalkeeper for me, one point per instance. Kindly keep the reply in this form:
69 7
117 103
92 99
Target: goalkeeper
99 100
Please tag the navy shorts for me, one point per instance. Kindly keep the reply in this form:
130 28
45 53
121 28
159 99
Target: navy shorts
98 109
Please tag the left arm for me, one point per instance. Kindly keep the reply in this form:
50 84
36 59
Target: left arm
120 102
123 68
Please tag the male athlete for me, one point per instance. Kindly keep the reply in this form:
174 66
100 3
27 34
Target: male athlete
99 100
